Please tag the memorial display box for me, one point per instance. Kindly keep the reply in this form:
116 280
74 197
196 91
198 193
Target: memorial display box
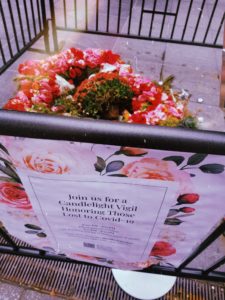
128 196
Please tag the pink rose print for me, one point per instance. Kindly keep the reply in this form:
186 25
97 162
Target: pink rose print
14 195
45 162
153 168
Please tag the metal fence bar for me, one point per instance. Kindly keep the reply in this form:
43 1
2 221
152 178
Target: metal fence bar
6 30
8 239
187 19
164 17
39 14
152 19
119 16
64 12
75 12
210 20
141 18
2 53
13 24
199 18
33 18
27 19
108 15
36 125
20 22
219 29
46 27
175 19
130 16
209 240
54 32
97 15
215 265
86 14
222 76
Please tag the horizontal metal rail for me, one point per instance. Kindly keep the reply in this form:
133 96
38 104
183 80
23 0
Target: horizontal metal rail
132 36
34 125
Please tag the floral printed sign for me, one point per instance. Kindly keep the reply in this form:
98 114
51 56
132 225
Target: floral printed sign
197 207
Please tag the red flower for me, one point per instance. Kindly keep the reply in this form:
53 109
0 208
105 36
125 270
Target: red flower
14 195
26 86
162 248
20 102
138 117
72 73
78 54
188 198
109 57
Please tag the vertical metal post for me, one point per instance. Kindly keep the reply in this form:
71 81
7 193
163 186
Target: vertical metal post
6 237
45 25
222 87
54 31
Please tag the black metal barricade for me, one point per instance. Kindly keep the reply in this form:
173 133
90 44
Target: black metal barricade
102 132
23 23
62 128
161 20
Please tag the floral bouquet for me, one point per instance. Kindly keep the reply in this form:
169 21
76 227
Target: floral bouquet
98 84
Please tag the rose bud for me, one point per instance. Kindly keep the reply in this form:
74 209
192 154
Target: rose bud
188 198
162 248
187 210
128 151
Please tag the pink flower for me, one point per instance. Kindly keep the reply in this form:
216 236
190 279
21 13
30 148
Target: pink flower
44 162
14 195
153 168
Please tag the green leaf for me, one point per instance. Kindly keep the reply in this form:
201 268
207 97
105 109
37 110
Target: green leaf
189 122
196 158
7 162
212 168
33 227
173 212
114 166
41 234
31 231
4 149
173 221
10 172
7 179
177 159
117 175
100 164
167 83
